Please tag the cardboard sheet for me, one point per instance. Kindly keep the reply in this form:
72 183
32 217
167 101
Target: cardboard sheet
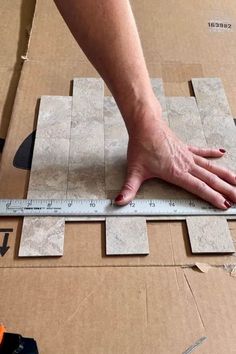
85 302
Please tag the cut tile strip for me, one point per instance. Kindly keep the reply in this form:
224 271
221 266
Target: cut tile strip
86 177
209 234
126 235
42 237
45 236
218 123
211 98
116 141
185 121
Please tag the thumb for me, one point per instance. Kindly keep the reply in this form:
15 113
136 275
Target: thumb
129 189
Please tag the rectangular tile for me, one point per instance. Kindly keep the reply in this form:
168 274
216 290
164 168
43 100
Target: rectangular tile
209 234
48 179
211 97
50 165
54 119
126 235
218 123
116 142
42 237
86 178
185 121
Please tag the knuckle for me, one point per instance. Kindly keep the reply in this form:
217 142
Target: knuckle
201 187
212 180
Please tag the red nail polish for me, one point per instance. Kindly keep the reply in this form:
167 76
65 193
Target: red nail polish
228 204
119 198
222 150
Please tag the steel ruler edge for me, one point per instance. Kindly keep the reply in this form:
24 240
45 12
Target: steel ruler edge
76 208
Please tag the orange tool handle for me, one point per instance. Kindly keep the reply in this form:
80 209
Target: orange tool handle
2 331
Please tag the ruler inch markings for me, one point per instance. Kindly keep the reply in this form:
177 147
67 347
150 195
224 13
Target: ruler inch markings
106 207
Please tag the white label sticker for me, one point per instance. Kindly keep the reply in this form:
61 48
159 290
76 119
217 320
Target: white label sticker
220 26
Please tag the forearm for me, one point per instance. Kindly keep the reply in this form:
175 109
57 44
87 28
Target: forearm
107 33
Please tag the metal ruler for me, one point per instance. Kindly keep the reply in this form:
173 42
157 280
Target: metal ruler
106 207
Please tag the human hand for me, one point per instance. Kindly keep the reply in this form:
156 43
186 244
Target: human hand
155 151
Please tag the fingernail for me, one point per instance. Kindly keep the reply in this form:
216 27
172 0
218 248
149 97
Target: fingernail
228 204
222 150
119 198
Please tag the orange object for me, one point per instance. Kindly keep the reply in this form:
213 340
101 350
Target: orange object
2 331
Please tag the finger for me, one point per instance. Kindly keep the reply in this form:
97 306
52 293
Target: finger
129 189
202 190
207 152
215 182
221 172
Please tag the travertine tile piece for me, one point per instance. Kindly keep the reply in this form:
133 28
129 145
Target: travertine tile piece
54 119
211 98
209 234
218 123
185 121
87 108
48 180
49 165
86 178
126 235
116 141
42 237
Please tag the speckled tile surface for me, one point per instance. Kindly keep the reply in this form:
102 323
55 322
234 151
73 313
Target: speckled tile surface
81 146
211 98
48 179
185 121
126 235
218 124
86 177
42 237
209 234
50 165
54 119
116 142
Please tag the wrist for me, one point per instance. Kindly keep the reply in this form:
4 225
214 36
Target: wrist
142 115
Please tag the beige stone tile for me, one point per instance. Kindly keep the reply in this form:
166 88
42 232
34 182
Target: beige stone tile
185 121
34 194
87 106
50 165
86 181
86 177
126 235
42 236
211 98
209 234
54 119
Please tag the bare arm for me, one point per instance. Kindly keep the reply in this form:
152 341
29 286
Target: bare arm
107 33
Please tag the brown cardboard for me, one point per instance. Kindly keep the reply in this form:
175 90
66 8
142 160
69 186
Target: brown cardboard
16 17
120 310
85 302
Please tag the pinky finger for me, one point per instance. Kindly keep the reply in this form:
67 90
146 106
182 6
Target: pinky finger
206 152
